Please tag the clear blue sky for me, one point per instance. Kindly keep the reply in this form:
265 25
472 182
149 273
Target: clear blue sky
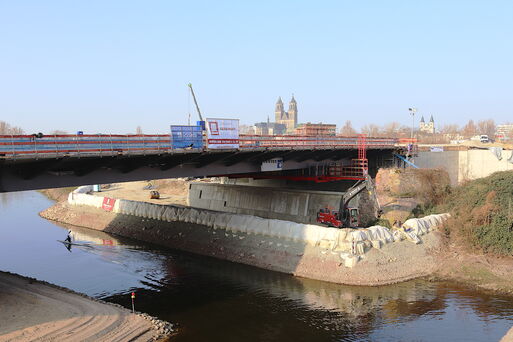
108 66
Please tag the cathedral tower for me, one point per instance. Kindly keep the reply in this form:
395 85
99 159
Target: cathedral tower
279 112
292 113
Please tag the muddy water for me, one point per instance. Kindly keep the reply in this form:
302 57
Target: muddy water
213 300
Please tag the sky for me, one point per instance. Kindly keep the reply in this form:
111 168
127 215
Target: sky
110 66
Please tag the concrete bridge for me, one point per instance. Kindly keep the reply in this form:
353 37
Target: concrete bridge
29 162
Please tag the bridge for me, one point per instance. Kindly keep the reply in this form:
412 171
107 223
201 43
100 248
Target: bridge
29 162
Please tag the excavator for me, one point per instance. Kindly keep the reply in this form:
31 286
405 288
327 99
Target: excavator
347 216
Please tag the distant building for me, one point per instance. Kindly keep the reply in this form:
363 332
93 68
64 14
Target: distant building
288 118
269 128
504 131
427 127
312 129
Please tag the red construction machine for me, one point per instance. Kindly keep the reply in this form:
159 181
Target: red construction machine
347 216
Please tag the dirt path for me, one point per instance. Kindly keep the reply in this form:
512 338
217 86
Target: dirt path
34 311
171 191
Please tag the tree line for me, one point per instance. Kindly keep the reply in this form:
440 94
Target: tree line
444 133
6 129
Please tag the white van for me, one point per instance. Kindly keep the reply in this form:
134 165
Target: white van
484 139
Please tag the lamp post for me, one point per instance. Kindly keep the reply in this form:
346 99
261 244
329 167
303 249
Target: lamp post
412 113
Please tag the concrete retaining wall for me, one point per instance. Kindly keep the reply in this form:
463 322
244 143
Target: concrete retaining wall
465 165
285 204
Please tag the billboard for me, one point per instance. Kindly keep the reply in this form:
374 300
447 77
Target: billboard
275 164
222 133
186 136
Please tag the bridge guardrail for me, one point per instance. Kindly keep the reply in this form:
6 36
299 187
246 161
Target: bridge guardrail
14 146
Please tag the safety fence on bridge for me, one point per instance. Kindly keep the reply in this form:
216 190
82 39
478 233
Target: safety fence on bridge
13 146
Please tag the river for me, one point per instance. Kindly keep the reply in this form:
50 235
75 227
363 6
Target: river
212 300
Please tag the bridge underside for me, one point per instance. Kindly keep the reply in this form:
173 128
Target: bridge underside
31 174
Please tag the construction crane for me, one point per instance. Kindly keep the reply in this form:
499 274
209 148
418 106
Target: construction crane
195 102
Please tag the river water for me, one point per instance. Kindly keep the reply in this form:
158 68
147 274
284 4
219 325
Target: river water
213 300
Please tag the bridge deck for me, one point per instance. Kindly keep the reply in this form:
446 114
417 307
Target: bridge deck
56 146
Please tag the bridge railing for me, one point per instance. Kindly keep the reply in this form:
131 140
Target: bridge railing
14 146
296 141
67 145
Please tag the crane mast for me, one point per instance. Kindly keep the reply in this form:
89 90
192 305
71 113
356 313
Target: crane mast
195 102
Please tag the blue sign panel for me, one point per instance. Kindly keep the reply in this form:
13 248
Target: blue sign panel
186 136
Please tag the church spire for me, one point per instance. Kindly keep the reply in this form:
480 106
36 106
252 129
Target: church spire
279 112
422 119
431 120
292 113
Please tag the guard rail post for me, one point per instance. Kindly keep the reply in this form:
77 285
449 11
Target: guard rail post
35 147
12 146
76 143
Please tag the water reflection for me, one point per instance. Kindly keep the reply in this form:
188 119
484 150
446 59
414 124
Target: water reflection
214 300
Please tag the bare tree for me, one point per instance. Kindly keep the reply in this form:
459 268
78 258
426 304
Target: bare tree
371 130
5 128
391 129
450 129
348 130
469 130
486 127
58 132
138 130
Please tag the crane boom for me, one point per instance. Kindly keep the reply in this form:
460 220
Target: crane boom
195 102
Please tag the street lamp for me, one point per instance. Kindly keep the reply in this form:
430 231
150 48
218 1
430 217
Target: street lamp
412 113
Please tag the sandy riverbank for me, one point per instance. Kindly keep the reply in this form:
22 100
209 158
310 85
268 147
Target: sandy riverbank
33 310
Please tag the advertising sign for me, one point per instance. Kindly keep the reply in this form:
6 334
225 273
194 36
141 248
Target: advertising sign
275 164
436 149
108 203
223 133
186 136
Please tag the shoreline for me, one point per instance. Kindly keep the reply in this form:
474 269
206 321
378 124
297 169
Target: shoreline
450 262
52 312
390 263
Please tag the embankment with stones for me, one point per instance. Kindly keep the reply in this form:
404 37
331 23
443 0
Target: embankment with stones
367 256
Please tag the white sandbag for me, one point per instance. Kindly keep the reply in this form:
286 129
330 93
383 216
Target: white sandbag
329 234
380 233
356 235
296 232
412 237
83 189
398 235
311 234
278 228
221 220
236 223
258 225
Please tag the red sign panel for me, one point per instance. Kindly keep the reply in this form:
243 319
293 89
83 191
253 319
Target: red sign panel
108 203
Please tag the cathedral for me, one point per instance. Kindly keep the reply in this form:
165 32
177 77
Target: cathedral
427 127
288 118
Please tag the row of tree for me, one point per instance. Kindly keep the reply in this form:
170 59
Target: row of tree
396 130
5 128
